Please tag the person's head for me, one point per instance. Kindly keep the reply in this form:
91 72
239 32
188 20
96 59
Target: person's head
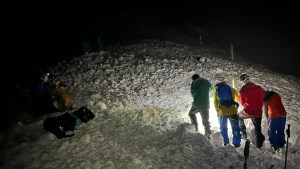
244 78
222 82
195 76
44 77
267 94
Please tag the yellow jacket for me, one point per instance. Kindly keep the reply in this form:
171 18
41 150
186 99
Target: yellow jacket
229 110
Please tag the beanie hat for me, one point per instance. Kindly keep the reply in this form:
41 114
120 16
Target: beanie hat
195 76
243 77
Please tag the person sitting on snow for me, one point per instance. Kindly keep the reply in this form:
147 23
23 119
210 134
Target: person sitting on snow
44 96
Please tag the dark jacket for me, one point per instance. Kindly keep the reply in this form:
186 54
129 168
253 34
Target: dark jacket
200 89
43 98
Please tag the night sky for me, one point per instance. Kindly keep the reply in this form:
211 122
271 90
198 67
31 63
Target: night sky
39 35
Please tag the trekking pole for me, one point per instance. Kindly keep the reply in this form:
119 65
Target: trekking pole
231 51
287 143
246 152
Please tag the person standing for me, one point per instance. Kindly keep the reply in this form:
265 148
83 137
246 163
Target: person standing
225 103
200 89
251 98
276 117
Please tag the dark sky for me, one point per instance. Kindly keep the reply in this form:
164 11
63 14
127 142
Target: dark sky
42 34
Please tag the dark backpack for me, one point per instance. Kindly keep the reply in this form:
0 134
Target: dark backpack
224 95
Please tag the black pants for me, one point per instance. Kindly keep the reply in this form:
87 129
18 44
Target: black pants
41 107
259 137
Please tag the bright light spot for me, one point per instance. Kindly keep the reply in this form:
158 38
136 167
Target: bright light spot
213 119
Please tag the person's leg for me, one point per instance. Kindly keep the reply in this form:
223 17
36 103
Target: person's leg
223 128
205 121
280 131
241 117
260 138
236 140
193 118
272 133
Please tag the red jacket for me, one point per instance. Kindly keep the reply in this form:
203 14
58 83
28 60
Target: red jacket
274 106
251 98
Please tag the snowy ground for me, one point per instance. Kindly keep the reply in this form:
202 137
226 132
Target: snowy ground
140 94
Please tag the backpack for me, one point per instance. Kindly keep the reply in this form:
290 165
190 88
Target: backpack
224 95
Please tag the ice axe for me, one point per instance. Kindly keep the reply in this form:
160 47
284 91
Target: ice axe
246 152
287 143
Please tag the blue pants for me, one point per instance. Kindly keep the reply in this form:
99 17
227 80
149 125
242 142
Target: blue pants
233 119
276 131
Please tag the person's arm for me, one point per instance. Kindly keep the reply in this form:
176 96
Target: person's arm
235 94
265 110
211 88
216 103
193 93
242 99
236 97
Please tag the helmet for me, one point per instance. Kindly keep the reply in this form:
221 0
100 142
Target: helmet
243 77
195 76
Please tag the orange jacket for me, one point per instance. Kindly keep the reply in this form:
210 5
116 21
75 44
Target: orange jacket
273 106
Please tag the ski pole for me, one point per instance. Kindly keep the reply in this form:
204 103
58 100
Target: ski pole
246 152
287 143
231 51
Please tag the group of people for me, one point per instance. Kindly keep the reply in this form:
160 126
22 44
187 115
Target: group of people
50 97
252 97
255 102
